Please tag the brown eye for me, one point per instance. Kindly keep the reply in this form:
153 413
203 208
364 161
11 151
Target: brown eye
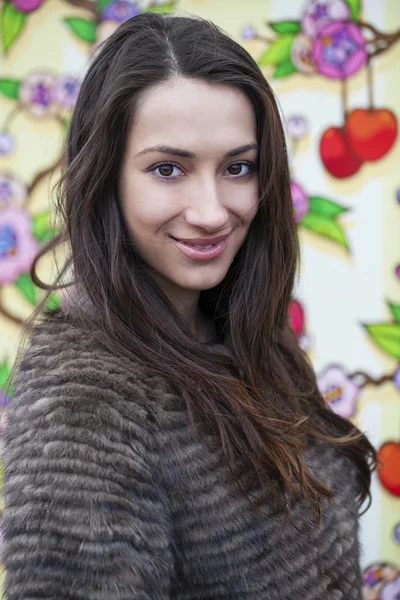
166 170
235 169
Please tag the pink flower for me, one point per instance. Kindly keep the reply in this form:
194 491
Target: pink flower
339 50
65 91
103 31
26 5
300 201
297 127
301 53
36 93
319 12
17 245
339 391
12 191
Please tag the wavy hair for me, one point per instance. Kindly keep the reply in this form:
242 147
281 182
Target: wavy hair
262 400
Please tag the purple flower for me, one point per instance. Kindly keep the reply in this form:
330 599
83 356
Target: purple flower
300 201
339 391
339 50
391 591
65 91
6 143
12 191
17 245
120 11
396 378
36 93
297 127
248 32
26 5
319 12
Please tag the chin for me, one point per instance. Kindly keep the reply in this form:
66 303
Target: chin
203 282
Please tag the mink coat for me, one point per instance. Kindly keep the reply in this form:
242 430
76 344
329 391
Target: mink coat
108 496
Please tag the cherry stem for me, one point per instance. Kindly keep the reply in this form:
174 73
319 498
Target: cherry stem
344 98
370 84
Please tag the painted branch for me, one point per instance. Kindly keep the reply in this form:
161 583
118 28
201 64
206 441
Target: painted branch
368 380
91 6
42 174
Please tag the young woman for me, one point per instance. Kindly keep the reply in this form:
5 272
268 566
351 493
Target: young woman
167 439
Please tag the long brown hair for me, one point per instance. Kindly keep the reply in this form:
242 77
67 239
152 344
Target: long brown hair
262 401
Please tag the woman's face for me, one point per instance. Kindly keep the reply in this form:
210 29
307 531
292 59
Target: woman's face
190 173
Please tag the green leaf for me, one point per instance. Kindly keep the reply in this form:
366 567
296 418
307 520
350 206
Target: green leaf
52 302
395 308
10 87
325 207
284 69
83 28
161 8
386 336
27 288
12 22
355 8
278 52
4 374
285 26
41 227
325 227
101 4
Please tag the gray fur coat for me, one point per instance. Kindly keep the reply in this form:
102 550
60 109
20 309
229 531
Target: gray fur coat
109 497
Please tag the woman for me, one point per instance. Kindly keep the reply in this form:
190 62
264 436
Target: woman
167 438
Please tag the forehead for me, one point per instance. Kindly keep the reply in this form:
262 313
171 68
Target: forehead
193 114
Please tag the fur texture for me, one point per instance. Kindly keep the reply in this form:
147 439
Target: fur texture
109 495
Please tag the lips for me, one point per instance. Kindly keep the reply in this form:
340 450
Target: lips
201 241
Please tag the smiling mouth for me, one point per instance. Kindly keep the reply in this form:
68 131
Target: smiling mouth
204 251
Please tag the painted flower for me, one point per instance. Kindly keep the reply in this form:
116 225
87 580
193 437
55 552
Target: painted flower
6 143
300 201
297 127
26 5
120 11
296 317
375 576
339 391
301 53
17 245
65 91
36 93
12 191
319 12
339 50
391 591
248 32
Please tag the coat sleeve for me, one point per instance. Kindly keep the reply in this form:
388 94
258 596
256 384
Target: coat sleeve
84 517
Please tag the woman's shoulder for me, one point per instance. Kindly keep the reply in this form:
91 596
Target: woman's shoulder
65 368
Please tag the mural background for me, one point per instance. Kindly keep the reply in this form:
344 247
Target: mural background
334 67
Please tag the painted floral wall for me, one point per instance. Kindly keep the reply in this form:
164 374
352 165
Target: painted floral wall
334 67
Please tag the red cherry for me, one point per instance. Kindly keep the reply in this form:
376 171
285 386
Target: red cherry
336 154
389 472
296 317
371 133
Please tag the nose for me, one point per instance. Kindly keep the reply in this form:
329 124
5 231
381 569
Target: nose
207 209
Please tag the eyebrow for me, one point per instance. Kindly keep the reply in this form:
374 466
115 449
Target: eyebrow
185 153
